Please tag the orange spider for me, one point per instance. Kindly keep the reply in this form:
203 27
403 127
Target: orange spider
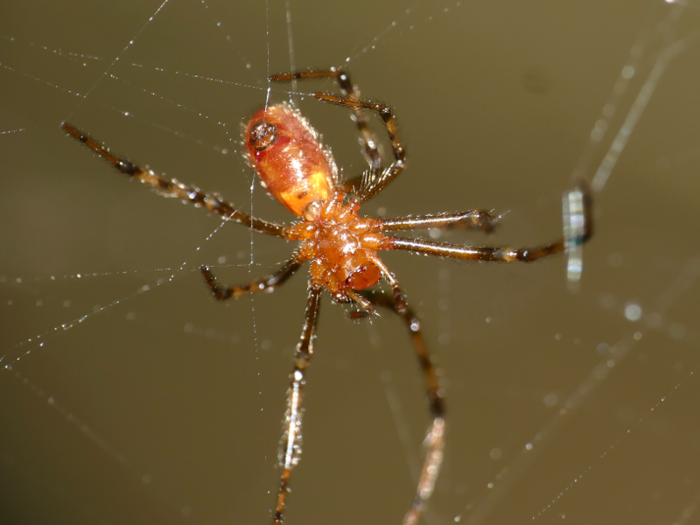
300 173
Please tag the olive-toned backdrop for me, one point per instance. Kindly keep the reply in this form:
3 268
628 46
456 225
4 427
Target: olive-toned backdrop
165 407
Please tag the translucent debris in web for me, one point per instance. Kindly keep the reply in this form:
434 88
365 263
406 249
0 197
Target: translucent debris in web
574 229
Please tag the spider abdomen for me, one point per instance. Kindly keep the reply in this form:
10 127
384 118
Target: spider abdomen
287 155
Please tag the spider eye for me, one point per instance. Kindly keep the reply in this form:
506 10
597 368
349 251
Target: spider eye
263 135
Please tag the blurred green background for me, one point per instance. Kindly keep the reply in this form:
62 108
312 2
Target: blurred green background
162 406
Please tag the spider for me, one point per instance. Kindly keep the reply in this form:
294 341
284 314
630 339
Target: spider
341 246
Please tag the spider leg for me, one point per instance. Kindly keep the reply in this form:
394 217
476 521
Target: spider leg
290 445
498 254
173 188
266 284
372 181
371 148
365 304
470 219
435 438
375 179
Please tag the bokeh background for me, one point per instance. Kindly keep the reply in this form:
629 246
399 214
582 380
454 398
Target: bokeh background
130 396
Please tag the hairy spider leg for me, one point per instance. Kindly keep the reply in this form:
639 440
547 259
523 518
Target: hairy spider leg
372 182
464 220
172 188
266 284
377 178
497 254
371 148
435 438
290 445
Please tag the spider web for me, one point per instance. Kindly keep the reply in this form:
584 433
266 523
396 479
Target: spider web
131 397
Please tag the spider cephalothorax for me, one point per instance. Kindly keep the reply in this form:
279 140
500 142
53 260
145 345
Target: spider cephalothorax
301 174
343 246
